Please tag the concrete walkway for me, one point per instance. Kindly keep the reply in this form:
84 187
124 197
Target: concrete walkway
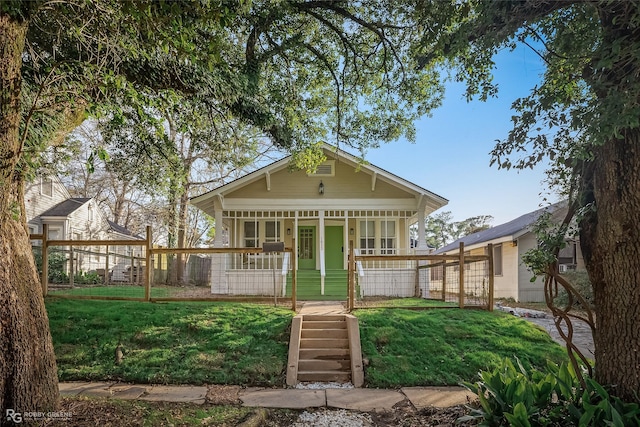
358 399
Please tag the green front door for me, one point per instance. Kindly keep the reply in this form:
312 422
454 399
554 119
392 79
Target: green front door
334 247
307 248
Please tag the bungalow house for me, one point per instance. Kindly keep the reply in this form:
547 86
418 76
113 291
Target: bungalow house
344 202
47 201
511 240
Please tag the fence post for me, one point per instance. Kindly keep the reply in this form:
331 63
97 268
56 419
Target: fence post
444 281
44 279
106 267
491 274
147 270
294 279
461 271
71 267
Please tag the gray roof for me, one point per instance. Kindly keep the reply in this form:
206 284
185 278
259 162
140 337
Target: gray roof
67 207
122 230
510 228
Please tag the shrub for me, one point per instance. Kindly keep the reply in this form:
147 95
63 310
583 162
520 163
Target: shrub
580 281
514 397
89 278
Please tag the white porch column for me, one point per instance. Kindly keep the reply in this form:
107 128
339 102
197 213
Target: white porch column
219 283
321 238
422 249
422 238
218 241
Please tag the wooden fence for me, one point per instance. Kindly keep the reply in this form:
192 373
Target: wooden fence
142 276
461 280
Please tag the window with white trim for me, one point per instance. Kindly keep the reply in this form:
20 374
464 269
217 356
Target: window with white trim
251 234
388 242
272 231
497 260
367 237
46 186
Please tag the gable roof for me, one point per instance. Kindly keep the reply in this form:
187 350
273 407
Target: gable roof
332 152
512 229
122 230
66 207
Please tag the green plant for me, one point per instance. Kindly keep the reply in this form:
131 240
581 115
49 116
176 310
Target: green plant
514 397
89 278
57 262
580 281
596 407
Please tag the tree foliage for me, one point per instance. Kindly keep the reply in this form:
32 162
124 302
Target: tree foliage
298 71
441 229
584 117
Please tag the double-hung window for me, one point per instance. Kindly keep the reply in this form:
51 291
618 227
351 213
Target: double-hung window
387 237
367 237
251 234
272 231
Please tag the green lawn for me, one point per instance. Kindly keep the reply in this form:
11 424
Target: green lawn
194 343
247 344
403 302
436 347
121 291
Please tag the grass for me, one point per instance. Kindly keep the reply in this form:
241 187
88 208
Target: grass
440 347
404 302
92 411
127 291
247 344
176 343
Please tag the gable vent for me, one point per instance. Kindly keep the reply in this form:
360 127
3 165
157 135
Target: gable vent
325 169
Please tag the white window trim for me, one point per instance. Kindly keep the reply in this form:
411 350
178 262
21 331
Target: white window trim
377 236
262 232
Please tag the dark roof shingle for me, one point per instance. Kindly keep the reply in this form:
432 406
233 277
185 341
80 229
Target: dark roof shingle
502 230
67 207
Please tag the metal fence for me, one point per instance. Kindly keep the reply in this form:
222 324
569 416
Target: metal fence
421 281
135 270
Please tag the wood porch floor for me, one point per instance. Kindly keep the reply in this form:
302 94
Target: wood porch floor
335 285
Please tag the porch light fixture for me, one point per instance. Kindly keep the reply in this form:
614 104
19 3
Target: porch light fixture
351 230
321 188
288 232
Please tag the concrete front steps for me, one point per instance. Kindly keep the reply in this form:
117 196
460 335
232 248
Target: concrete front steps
325 348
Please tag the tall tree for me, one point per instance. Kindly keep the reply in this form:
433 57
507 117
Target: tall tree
298 70
56 60
583 117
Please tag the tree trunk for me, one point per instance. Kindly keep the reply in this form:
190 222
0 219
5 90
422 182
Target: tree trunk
610 240
28 374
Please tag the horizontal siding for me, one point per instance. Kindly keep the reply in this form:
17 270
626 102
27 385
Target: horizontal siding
346 184
36 203
528 291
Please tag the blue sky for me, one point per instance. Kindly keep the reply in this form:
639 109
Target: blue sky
451 154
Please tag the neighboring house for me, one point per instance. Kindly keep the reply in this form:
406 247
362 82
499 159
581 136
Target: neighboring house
47 201
343 203
512 279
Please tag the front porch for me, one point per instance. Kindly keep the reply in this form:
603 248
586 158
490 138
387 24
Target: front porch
319 240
